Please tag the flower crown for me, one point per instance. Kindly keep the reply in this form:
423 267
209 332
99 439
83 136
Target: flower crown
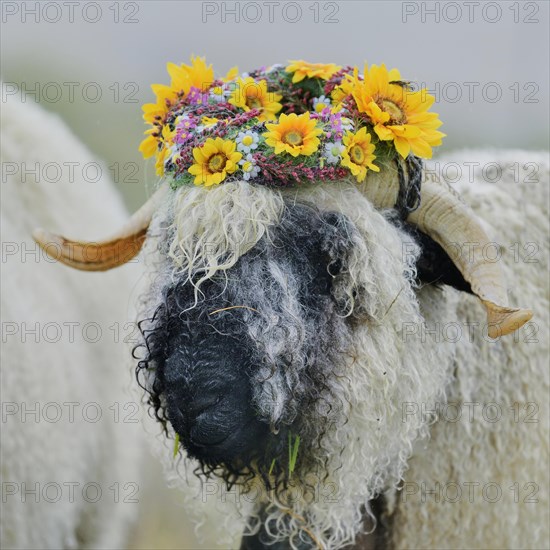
283 125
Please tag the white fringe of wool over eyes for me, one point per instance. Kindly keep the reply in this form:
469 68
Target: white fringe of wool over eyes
213 229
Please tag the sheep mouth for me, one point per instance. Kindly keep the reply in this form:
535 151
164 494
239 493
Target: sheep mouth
210 444
238 444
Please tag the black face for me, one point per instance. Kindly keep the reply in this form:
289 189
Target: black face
236 368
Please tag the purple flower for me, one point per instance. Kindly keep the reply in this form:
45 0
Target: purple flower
197 97
338 126
184 129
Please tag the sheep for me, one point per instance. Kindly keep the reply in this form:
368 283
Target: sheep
357 356
483 528
301 265
70 479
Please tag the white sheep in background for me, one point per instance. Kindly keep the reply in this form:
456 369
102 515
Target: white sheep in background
48 372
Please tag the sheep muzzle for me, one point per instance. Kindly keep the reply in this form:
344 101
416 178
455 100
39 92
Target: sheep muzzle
208 392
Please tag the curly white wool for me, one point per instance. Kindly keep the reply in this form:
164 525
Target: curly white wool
59 378
402 358
499 444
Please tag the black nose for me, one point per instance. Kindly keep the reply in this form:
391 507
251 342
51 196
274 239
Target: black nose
208 433
210 421
225 429
208 393
204 402
220 428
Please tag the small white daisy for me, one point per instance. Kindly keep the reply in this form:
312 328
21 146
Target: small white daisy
333 151
347 124
247 141
249 168
320 103
274 68
219 94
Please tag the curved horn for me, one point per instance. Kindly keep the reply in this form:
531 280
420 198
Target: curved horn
448 221
109 253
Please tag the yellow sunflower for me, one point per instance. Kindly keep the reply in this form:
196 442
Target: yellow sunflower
183 78
167 139
214 161
249 94
161 159
358 154
154 113
343 90
398 114
148 146
197 75
231 74
293 134
303 69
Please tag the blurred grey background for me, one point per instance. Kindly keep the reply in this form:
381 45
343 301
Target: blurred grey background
486 62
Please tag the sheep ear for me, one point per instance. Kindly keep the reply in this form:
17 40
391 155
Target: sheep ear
434 266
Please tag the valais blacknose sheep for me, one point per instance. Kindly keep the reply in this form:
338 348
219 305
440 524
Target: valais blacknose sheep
330 361
64 455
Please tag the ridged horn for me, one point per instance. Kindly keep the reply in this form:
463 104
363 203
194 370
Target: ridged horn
112 252
447 220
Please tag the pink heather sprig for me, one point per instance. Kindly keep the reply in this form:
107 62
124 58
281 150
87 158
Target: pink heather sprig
336 79
297 101
184 161
218 130
243 118
216 110
351 107
285 172
276 170
332 172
